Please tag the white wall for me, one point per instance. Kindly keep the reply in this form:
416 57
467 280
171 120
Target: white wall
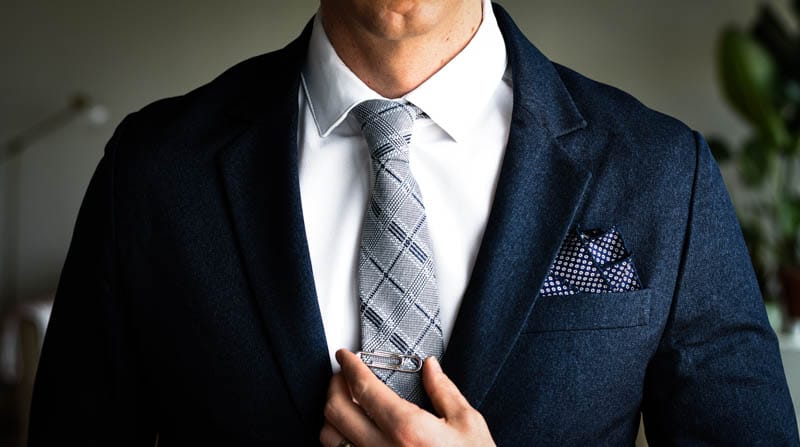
128 53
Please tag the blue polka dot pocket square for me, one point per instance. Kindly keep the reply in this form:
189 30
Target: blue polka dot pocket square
595 261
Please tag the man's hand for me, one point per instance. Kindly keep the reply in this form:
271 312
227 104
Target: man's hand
363 410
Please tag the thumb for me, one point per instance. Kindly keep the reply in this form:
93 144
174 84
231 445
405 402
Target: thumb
447 400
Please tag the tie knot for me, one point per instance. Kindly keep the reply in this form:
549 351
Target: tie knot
386 125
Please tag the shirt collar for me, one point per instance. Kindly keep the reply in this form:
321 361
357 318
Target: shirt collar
453 97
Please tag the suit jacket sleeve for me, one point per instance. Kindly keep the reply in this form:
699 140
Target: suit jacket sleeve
87 389
717 377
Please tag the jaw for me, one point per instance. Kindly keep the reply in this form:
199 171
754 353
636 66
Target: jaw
395 45
393 20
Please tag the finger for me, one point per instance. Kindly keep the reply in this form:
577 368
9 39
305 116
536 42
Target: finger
347 418
383 405
447 400
329 436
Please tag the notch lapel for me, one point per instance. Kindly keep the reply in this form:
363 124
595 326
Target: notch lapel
260 176
538 193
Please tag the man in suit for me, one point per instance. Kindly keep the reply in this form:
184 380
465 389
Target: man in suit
588 264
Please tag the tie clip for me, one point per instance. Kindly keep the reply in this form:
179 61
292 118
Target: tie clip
391 361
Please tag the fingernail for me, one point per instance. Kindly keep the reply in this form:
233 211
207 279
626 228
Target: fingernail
433 363
338 356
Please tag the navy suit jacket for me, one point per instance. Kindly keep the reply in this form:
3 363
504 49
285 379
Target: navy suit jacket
187 305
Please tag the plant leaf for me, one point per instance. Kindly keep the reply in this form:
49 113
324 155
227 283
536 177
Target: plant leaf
751 82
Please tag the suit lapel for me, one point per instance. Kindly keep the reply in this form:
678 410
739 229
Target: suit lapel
260 175
538 193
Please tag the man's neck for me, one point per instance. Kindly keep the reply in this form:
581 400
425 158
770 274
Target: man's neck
395 65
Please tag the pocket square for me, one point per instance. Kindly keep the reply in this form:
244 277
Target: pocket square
594 262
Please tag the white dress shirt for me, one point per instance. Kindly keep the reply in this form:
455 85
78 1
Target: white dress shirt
455 157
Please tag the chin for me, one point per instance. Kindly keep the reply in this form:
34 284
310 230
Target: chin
399 19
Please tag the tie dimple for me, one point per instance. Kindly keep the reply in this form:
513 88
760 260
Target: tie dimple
397 282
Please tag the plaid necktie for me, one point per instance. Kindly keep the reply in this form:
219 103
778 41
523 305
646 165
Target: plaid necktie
400 324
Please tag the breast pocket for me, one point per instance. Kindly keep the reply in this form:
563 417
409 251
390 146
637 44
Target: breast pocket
588 311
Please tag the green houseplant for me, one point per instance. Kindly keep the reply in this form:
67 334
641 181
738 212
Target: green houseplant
759 72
